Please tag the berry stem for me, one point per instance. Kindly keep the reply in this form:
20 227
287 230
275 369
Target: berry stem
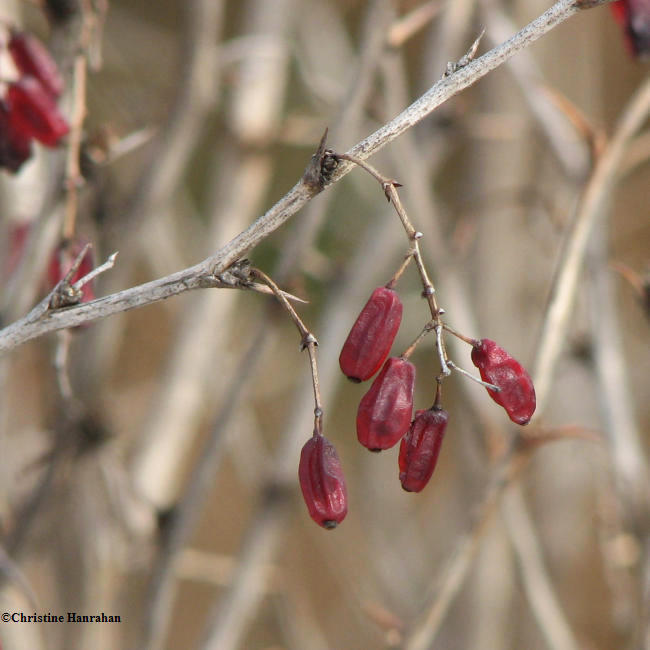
462 337
428 290
308 341
429 327
453 366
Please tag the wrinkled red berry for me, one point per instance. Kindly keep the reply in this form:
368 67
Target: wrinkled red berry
634 16
372 335
33 112
385 411
419 449
517 394
322 482
15 146
61 261
32 58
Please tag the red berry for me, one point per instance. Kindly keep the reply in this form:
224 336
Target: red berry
16 242
33 113
634 16
517 394
32 58
61 261
372 335
385 411
15 146
419 449
322 482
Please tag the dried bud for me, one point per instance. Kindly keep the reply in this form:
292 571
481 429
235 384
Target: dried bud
634 16
419 449
61 261
322 482
517 393
372 335
32 58
384 414
15 146
33 113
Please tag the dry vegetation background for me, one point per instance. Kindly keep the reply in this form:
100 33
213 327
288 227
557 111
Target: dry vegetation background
187 416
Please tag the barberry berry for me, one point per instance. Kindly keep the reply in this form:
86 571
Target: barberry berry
634 16
516 391
322 482
372 335
32 58
15 145
33 112
419 448
385 411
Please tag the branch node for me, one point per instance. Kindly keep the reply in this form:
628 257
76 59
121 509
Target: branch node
321 167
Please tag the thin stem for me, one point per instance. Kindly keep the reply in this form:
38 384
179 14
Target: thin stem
469 375
308 341
390 190
73 177
460 336
429 327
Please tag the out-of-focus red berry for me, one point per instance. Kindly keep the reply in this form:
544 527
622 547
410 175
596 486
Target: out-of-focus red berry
517 393
385 411
322 483
634 16
33 113
372 335
419 449
16 240
15 146
32 58
61 262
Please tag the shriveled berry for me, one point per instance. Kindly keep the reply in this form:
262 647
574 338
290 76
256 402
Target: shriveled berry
61 262
15 146
634 16
385 411
33 112
517 393
372 335
322 482
32 58
419 449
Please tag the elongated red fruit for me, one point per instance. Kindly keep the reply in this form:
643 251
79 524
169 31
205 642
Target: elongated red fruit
32 58
15 146
634 16
322 482
419 449
517 393
385 411
372 335
33 112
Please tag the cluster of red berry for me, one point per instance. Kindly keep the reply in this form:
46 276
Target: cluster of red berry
384 417
28 109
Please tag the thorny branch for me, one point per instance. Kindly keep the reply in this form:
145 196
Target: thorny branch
320 173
